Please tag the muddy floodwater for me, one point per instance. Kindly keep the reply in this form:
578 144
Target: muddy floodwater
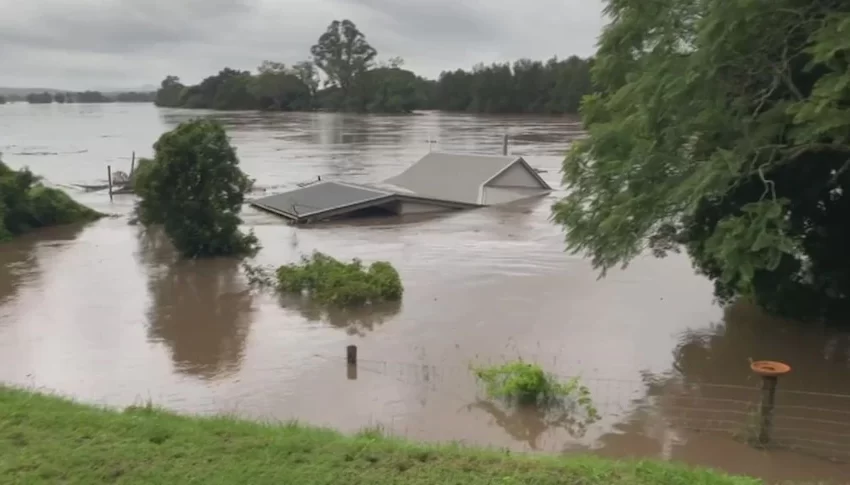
104 313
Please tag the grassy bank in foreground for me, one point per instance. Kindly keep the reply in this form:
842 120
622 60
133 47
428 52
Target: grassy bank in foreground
50 440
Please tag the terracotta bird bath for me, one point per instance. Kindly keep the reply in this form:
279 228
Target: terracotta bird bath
769 368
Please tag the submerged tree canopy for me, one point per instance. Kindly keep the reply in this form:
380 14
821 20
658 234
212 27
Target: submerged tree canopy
723 127
194 188
26 204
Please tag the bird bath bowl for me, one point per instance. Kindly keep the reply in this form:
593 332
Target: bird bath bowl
769 368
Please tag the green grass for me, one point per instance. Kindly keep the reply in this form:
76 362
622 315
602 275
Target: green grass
48 440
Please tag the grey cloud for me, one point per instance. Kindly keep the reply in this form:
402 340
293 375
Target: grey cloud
75 44
437 35
434 21
121 26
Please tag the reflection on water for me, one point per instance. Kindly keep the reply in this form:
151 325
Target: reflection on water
528 424
19 265
200 309
704 410
106 314
818 355
355 321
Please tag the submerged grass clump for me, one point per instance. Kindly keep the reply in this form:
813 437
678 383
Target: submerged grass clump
334 282
524 383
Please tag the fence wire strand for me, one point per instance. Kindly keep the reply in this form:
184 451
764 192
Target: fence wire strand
724 409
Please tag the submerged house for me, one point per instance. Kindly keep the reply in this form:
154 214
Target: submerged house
438 182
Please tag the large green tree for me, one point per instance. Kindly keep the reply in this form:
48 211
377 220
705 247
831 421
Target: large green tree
306 72
343 53
194 188
169 92
722 126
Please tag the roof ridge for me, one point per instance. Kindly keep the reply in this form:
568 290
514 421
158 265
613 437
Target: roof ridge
482 155
363 186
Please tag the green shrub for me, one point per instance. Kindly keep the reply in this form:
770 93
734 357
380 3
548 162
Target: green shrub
52 207
141 172
26 204
528 384
334 282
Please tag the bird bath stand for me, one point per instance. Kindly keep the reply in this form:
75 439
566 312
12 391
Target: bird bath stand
769 371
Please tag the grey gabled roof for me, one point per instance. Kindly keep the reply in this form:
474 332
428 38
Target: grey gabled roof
440 179
453 177
319 197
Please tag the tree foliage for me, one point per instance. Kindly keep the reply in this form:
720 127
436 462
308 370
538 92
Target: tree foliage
40 98
90 97
555 86
194 188
279 88
722 127
355 81
169 92
26 204
334 282
343 53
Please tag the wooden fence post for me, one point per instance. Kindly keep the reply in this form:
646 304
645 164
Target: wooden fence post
351 360
109 179
769 371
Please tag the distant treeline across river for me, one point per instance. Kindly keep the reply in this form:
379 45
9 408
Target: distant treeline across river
47 97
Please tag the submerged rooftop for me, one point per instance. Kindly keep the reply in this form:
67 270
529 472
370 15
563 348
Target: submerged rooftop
436 183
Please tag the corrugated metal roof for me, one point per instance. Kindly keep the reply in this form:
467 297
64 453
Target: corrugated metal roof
319 197
451 177
441 179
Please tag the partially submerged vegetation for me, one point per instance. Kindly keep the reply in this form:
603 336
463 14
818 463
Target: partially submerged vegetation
336 283
525 383
26 204
564 403
47 440
194 188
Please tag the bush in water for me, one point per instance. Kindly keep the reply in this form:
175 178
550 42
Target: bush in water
195 189
528 384
344 284
26 204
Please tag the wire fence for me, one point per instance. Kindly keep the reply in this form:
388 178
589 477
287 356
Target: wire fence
811 423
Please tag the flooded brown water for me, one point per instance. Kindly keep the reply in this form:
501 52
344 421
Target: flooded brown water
106 314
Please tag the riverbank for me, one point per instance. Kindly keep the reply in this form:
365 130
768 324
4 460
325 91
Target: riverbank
45 439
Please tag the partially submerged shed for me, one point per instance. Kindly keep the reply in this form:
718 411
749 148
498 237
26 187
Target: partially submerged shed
436 183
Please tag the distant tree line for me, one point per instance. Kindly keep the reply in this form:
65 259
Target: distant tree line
354 81
85 97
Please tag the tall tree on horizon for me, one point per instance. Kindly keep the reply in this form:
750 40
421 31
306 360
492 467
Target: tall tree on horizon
343 53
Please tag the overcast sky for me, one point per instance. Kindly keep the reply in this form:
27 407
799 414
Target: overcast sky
80 44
